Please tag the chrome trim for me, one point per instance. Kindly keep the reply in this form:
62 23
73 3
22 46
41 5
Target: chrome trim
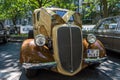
113 49
97 60
108 36
71 49
39 65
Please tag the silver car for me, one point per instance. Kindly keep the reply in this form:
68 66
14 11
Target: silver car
108 32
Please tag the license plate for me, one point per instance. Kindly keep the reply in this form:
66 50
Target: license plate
92 53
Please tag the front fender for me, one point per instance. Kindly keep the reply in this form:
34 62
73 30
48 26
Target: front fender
30 53
96 45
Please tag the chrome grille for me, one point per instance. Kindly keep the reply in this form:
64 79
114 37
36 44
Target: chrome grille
69 47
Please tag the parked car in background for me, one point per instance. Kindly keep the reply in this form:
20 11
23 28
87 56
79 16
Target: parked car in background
108 32
3 34
57 44
87 28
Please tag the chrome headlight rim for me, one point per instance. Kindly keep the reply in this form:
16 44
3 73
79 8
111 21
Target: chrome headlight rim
40 40
91 38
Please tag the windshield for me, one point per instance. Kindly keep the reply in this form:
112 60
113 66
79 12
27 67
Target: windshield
60 13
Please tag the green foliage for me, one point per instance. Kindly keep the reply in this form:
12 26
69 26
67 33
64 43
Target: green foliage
52 3
68 4
19 35
113 7
13 8
90 8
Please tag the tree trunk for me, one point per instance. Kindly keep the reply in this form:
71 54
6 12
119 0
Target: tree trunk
14 21
105 9
40 3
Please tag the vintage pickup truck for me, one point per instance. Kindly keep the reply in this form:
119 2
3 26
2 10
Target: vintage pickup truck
57 43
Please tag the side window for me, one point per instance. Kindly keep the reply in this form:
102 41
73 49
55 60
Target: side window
100 27
113 26
108 24
103 26
38 16
34 20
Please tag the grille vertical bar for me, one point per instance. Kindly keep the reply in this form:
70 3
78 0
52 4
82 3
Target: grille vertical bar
69 48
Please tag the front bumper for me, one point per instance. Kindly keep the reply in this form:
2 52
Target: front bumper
39 65
97 60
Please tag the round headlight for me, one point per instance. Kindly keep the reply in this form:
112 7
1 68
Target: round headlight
40 40
91 38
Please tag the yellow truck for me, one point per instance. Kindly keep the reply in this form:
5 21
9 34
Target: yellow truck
57 43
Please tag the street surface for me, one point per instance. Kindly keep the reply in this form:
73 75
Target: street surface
10 69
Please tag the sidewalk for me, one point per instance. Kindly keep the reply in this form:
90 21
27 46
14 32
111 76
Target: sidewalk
10 67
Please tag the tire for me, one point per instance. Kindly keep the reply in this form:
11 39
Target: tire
93 66
30 34
31 73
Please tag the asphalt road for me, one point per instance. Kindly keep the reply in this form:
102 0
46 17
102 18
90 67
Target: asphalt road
10 69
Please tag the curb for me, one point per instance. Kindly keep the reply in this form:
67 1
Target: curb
16 39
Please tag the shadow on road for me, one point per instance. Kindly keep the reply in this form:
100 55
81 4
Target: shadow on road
9 61
86 74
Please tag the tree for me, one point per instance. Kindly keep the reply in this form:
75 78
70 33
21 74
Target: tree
13 10
105 9
106 6
91 5
113 7
69 4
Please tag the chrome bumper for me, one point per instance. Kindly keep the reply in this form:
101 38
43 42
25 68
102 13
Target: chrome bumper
39 65
98 60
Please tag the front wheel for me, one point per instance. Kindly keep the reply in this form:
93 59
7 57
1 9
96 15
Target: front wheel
93 66
30 73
